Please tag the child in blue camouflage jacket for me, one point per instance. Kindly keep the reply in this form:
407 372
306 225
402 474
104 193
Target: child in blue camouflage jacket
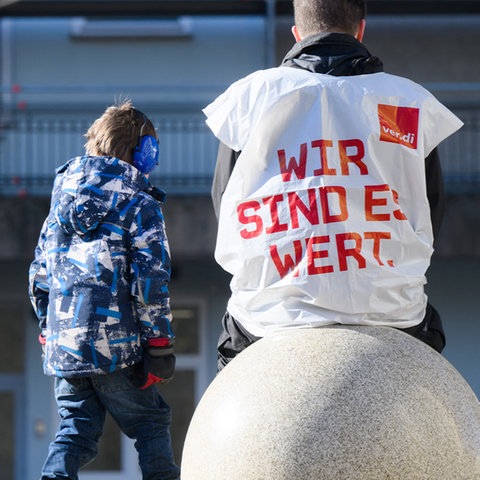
99 287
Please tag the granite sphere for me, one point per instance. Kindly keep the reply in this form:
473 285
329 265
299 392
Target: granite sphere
334 403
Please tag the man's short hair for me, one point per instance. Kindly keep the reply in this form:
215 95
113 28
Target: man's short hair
117 132
317 16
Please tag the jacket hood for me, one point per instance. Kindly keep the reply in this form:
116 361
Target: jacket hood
337 54
88 188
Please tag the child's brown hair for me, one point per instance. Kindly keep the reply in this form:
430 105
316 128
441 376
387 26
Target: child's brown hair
117 132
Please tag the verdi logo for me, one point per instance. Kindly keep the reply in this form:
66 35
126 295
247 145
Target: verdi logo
398 124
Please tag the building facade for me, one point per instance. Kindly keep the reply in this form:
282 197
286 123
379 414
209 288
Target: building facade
59 74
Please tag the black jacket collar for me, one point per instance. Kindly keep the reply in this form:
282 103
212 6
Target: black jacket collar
336 54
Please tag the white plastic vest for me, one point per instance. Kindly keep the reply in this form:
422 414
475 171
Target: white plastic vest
325 218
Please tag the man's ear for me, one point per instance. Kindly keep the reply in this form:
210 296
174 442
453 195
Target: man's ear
296 34
361 30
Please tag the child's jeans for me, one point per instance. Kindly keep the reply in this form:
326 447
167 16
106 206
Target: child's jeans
141 414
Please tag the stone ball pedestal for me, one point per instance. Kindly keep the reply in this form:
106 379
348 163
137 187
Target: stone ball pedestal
336 403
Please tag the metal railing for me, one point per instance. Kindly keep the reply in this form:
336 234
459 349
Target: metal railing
460 153
34 144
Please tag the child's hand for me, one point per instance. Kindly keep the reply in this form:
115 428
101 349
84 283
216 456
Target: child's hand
42 339
158 366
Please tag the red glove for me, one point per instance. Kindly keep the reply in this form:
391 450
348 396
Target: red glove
158 362
42 339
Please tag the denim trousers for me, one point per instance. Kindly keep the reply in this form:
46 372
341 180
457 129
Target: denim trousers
141 414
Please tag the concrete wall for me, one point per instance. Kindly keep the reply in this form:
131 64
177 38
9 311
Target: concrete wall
53 66
427 49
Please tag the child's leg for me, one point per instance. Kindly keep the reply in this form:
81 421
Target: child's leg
82 417
144 416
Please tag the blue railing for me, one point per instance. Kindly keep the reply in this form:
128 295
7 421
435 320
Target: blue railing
460 153
34 143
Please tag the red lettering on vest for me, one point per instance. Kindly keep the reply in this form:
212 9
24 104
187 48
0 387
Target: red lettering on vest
288 263
355 158
371 201
324 169
273 202
376 237
245 219
313 254
354 252
293 166
341 194
310 212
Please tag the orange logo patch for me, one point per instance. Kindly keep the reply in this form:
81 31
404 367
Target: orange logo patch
398 124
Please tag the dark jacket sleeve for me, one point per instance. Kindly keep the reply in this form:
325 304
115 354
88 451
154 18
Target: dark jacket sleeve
38 280
150 268
435 190
430 330
226 158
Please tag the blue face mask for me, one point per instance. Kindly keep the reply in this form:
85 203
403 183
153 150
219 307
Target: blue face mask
145 155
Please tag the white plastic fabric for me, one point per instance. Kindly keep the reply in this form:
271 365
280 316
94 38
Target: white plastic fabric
325 218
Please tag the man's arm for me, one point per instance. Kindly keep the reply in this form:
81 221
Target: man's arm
226 159
430 330
435 190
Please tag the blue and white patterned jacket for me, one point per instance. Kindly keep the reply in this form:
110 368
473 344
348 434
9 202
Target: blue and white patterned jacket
99 281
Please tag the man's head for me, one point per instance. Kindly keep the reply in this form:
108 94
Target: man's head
320 16
118 132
